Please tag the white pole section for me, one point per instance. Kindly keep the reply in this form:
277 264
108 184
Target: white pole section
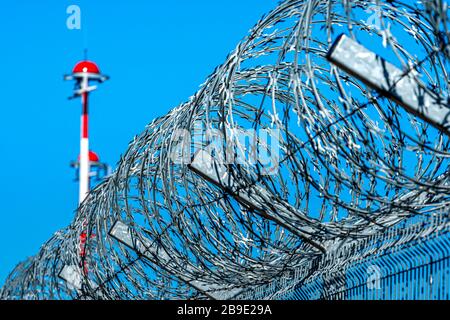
84 144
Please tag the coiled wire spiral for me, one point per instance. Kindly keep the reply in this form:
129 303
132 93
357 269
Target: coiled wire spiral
351 164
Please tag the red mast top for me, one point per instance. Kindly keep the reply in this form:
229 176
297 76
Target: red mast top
86 67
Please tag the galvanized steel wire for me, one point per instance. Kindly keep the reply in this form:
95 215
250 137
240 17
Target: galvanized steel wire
351 165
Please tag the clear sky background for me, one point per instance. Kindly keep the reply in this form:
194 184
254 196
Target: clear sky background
157 54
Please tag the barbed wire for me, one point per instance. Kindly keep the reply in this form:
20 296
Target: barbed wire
348 164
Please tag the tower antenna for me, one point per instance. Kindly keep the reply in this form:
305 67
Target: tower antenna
84 74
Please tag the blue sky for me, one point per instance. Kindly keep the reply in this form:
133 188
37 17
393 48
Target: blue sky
157 54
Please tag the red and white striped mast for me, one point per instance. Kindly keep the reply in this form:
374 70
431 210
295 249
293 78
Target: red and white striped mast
88 165
84 73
